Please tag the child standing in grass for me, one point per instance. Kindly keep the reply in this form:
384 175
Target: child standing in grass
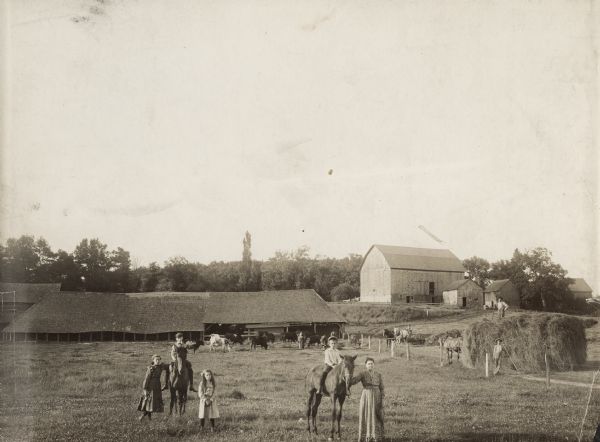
208 405
151 400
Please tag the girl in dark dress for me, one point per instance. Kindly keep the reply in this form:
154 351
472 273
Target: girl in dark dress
151 401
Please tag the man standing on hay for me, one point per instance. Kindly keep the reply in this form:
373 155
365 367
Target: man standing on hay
502 307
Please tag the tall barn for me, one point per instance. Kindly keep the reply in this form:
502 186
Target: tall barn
501 288
580 289
394 274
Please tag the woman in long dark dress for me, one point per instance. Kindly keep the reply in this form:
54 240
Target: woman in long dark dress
370 411
151 401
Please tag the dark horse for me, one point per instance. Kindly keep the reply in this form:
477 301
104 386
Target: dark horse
337 387
179 381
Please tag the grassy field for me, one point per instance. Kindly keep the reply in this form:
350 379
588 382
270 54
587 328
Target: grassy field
88 392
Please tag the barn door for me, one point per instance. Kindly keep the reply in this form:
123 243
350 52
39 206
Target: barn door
464 301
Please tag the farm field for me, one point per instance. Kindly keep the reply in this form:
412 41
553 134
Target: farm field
88 392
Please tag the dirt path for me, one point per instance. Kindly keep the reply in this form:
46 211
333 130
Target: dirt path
561 382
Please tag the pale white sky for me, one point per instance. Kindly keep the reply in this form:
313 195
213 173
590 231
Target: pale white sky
172 128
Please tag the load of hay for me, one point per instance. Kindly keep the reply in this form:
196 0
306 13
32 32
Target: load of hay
526 338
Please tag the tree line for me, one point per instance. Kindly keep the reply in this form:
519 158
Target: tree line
93 267
542 283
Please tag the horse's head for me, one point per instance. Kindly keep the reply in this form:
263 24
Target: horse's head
348 371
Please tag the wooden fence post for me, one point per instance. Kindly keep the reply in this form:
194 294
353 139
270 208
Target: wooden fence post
392 350
441 354
407 351
369 342
379 346
361 340
487 364
547 369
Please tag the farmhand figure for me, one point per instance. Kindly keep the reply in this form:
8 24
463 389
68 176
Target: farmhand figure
332 358
179 356
502 307
151 400
496 355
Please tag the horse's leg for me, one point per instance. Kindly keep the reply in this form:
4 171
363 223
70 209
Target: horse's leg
311 393
333 414
172 391
315 411
339 417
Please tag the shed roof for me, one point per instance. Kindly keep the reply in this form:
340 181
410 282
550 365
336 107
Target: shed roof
26 292
579 285
455 285
496 285
413 258
163 311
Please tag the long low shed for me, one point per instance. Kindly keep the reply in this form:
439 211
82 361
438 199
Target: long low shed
71 316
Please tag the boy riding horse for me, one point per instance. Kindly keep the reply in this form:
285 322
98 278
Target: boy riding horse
332 358
179 356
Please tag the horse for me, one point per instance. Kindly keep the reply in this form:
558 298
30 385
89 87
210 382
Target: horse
179 382
337 387
217 340
403 335
289 337
389 336
452 345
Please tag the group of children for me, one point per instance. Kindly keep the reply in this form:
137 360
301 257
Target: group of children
151 400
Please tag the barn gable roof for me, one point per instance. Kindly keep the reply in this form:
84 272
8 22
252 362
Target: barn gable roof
164 311
27 293
496 285
413 258
579 285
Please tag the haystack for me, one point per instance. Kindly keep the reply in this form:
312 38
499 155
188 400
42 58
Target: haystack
526 338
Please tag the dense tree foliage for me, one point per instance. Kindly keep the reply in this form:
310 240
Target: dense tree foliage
93 267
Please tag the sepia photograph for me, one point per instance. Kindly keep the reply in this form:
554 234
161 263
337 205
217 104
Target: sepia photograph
310 220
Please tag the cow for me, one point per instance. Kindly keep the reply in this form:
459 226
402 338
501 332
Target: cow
289 337
234 338
260 340
389 336
193 345
270 337
312 339
217 340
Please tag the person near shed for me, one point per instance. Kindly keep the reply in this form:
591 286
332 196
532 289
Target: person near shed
502 307
179 354
208 405
151 400
332 358
370 411
497 355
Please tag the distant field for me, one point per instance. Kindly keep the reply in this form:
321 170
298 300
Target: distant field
369 314
88 392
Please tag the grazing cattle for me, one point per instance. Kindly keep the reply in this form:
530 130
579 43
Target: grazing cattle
452 345
312 340
403 335
270 336
234 338
323 342
259 341
301 340
193 345
217 340
289 337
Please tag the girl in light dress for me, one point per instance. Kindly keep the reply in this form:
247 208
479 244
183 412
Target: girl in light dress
208 406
